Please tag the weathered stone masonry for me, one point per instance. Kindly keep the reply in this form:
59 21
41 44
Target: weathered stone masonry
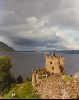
53 64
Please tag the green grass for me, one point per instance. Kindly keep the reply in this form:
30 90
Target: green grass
68 78
23 91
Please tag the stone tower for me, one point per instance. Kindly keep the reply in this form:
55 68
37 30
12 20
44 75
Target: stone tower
54 63
35 78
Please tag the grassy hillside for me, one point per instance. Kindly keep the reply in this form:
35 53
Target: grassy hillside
5 48
23 91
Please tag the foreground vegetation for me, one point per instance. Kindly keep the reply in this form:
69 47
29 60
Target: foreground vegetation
9 84
23 91
6 77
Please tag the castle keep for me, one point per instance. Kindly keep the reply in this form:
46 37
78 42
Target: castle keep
54 64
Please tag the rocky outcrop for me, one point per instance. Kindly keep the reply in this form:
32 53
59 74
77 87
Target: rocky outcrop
56 87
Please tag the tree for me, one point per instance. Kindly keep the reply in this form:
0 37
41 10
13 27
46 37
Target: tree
6 78
19 79
5 64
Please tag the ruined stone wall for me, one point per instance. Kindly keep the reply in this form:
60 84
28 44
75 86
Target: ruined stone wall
36 77
53 64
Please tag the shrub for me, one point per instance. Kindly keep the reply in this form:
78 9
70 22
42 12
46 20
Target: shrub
19 79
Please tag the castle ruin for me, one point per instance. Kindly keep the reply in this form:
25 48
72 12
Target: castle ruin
54 64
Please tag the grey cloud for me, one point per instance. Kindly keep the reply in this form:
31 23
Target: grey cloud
51 42
60 13
58 46
28 42
55 42
27 8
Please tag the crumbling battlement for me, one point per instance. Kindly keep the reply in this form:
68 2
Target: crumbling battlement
54 64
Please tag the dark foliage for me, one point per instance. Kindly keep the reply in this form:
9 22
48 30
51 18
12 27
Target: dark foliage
19 79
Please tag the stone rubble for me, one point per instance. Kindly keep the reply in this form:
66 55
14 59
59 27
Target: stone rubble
55 87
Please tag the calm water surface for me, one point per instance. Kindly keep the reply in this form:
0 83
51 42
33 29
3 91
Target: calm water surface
25 62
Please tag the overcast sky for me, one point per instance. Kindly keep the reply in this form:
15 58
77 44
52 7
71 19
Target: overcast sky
40 24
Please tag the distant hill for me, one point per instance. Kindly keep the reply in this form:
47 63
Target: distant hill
63 51
69 51
5 48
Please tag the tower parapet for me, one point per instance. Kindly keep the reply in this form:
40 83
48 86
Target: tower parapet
54 63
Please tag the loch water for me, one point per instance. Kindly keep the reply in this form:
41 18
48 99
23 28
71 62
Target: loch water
25 62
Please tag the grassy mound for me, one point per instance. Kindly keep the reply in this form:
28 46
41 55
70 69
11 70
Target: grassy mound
23 91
